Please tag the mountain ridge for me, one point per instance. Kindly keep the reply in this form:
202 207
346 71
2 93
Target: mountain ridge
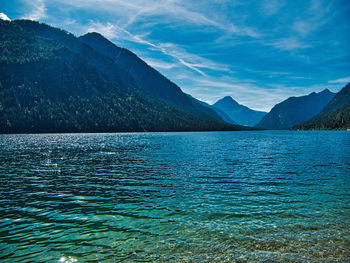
145 76
334 116
52 82
295 110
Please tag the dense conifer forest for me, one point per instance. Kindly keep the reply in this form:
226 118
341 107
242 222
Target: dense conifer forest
52 82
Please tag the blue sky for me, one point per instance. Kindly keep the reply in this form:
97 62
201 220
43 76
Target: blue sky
258 52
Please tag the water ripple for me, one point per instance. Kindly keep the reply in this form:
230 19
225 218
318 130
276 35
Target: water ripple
175 197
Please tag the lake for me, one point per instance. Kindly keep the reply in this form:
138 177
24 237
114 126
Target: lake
257 196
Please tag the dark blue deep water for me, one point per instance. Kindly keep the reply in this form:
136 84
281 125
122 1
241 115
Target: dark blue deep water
264 196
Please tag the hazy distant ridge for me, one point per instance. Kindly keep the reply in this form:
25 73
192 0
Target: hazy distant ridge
238 113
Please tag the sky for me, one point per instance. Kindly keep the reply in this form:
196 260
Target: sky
260 52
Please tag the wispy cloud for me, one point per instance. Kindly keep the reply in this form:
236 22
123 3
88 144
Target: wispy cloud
239 30
317 16
4 17
340 81
245 91
271 7
192 66
37 9
191 61
159 64
113 31
108 30
249 92
298 34
290 43
303 27
166 12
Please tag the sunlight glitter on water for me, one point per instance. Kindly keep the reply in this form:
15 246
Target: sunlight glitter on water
67 260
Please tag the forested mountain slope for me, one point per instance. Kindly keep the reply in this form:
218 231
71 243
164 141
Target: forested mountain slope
52 82
295 110
335 116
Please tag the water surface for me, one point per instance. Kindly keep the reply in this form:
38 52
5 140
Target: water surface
175 197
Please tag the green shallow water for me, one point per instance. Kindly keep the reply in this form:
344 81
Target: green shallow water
269 196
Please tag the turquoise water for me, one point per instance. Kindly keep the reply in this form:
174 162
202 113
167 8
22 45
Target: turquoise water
175 197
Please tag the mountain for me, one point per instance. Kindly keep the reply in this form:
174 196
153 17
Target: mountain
334 116
222 114
295 110
238 113
50 81
145 76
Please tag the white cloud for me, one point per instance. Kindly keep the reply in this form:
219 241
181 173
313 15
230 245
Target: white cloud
317 16
315 20
290 43
191 66
130 12
340 81
108 30
135 13
38 9
113 31
159 64
300 33
4 17
244 91
271 7
302 27
191 61
241 30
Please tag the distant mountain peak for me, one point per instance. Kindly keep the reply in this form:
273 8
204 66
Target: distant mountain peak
228 100
325 91
239 113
